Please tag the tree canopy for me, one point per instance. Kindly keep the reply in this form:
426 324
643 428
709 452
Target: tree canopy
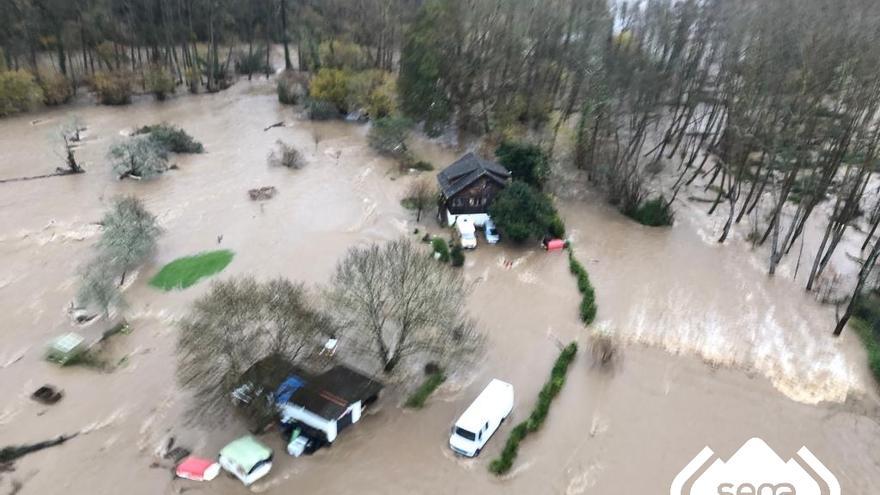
397 305
526 162
238 323
522 212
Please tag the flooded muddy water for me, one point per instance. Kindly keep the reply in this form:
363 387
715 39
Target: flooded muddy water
718 352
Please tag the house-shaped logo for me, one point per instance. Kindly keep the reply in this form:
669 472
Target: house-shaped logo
755 469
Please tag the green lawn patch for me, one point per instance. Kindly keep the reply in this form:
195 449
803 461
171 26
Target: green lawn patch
418 398
184 272
504 462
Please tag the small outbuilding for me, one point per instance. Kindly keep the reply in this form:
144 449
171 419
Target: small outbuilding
328 403
467 188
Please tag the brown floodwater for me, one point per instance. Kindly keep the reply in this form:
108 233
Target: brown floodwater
716 352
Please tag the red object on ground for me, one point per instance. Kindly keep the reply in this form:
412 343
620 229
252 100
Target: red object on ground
198 469
555 245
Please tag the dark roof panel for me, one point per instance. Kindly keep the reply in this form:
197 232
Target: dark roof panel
466 170
329 394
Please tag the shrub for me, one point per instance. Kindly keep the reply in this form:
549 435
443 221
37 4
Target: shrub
321 110
285 156
557 227
526 162
252 62
440 248
331 85
291 87
57 89
113 88
171 138
457 255
374 91
587 306
522 212
551 389
653 212
339 54
418 398
159 81
18 92
388 136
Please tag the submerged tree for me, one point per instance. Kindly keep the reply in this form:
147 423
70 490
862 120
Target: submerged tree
241 322
98 286
69 136
130 235
398 305
139 157
128 239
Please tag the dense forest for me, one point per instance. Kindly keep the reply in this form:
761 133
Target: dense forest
771 106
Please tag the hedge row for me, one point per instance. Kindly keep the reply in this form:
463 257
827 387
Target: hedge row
418 398
504 462
588 301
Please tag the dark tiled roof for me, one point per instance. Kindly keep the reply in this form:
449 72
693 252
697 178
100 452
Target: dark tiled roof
466 170
329 394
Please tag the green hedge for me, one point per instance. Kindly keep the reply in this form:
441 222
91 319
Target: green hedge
872 345
418 398
504 462
588 301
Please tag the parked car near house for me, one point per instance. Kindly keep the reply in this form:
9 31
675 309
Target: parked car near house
247 459
482 418
467 234
491 232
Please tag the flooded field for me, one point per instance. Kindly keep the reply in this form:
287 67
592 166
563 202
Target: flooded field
718 352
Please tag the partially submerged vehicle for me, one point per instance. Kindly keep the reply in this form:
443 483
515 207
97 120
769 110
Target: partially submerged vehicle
466 233
197 469
491 232
247 459
482 418
66 348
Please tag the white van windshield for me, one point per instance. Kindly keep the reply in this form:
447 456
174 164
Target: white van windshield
465 434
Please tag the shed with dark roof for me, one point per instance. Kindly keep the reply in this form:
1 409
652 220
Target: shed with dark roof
331 401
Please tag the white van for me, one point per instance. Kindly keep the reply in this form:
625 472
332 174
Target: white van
466 233
477 424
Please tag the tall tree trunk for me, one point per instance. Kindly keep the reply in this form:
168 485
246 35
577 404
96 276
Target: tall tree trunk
287 64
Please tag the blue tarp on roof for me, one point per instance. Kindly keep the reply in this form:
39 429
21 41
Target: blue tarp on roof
287 388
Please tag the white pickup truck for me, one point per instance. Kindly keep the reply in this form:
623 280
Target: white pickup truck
480 420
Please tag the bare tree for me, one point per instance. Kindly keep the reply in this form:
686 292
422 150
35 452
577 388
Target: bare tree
237 324
420 195
69 136
399 305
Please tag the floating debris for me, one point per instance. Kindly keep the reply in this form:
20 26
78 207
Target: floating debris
262 193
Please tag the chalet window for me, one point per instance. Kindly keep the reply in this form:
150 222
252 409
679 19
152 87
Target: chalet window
472 201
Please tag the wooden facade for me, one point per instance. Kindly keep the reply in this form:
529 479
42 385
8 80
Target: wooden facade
469 186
